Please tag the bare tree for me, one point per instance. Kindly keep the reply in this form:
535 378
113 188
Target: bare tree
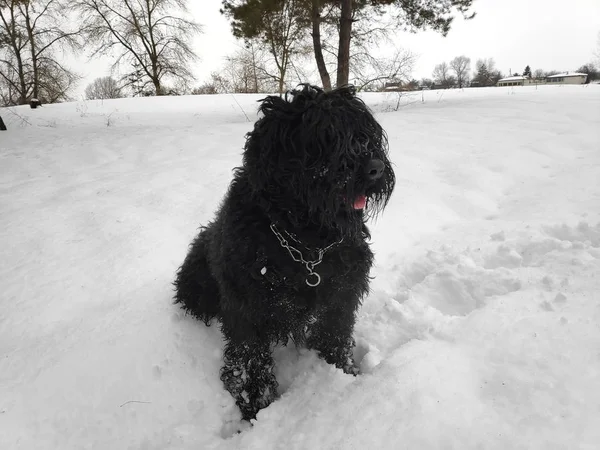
442 77
284 36
32 31
45 30
207 88
16 87
426 83
56 82
279 27
371 72
461 65
150 37
538 74
245 72
103 88
221 84
302 67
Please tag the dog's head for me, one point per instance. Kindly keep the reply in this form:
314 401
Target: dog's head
320 157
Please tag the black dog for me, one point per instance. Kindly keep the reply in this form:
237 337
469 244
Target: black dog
286 255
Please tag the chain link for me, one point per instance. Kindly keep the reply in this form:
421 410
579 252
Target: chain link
297 255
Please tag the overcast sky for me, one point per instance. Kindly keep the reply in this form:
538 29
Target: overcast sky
546 34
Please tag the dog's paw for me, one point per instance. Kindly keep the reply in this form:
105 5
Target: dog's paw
351 368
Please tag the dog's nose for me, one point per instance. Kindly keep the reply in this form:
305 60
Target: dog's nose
374 169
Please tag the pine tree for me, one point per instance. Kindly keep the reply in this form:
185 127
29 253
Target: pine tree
527 72
592 72
486 73
482 76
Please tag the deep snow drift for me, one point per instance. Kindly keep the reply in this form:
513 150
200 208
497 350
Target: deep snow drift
481 332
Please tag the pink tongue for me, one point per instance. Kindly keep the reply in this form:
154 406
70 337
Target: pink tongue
360 202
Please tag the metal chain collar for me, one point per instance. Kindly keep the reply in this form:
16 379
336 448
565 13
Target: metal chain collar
298 257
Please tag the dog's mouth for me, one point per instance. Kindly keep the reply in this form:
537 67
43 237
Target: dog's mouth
358 204
360 201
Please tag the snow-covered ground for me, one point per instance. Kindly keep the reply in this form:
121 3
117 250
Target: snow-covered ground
482 330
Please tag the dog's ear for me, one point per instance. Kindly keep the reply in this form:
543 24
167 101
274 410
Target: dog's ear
265 142
273 105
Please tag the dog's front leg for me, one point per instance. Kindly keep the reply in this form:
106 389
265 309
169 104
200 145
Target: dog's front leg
331 336
248 375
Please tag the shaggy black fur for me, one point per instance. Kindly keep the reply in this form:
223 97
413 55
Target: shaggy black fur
309 165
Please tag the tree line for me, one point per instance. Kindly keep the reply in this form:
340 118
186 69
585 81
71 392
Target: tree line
457 74
149 42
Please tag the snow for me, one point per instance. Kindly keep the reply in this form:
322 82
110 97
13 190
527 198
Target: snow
480 331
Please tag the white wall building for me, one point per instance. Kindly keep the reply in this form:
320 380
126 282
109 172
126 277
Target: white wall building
515 81
567 78
559 78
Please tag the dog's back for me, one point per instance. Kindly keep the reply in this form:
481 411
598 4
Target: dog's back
196 290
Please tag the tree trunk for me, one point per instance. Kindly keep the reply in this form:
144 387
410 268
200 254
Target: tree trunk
316 36
254 74
281 81
343 69
34 61
285 60
156 80
21 70
157 87
23 93
2 126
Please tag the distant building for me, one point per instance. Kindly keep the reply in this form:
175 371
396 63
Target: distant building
567 78
515 81
395 86
559 78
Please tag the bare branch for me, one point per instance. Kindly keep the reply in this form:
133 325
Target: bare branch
32 30
461 65
153 41
103 88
